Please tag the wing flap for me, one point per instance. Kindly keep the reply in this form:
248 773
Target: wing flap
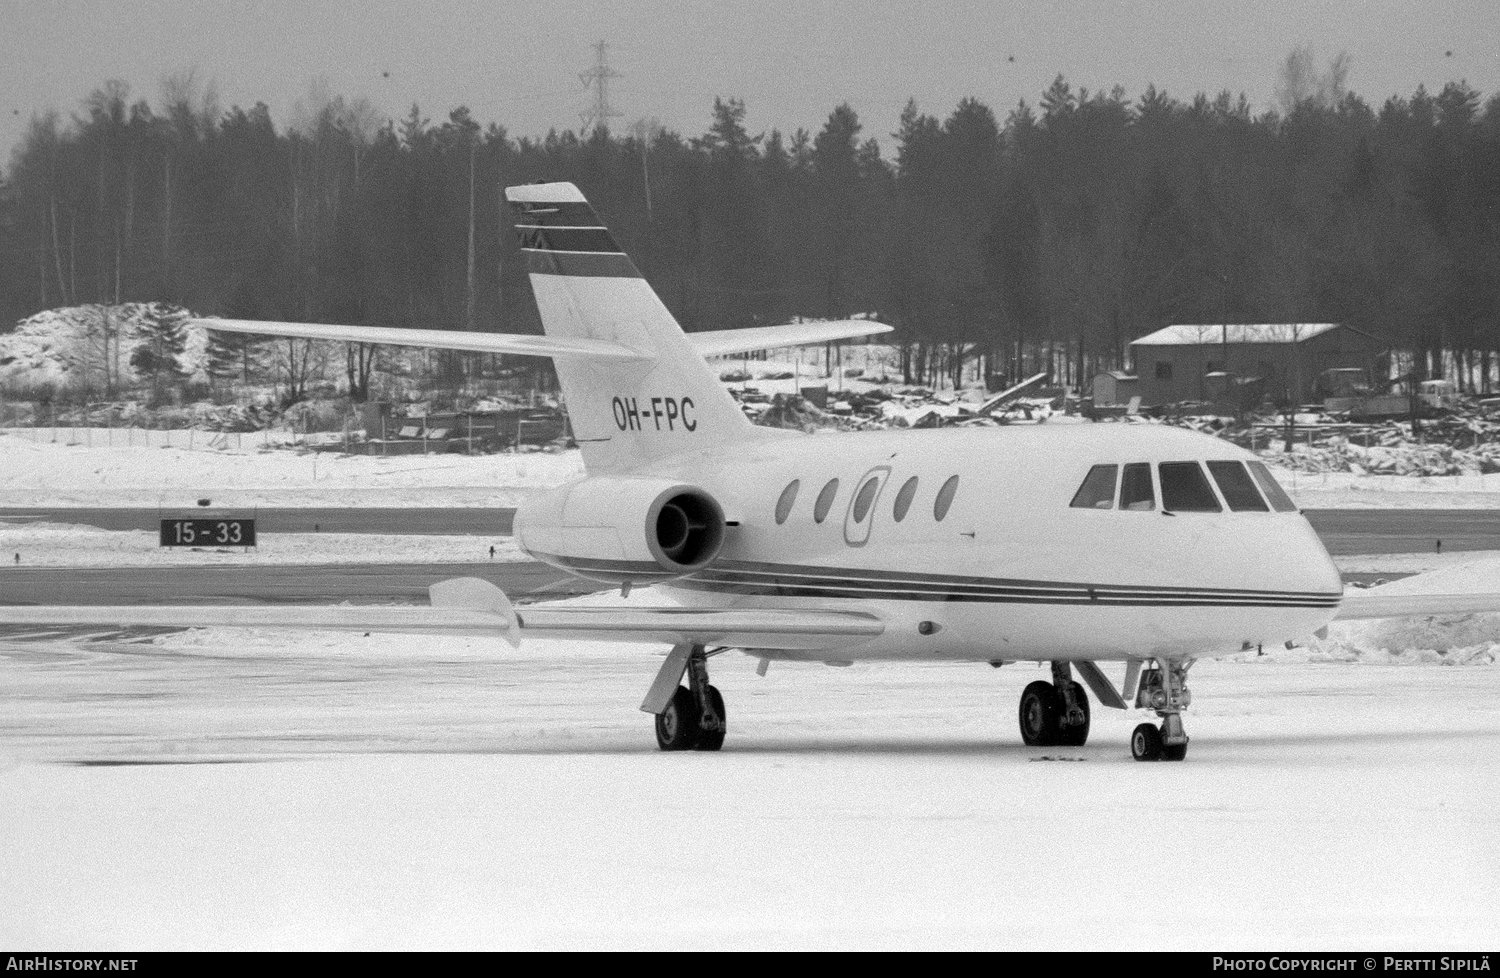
469 606
360 618
760 628
713 343
1372 604
765 628
441 339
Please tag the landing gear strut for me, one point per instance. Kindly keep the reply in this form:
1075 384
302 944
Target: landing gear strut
1163 689
691 717
1055 714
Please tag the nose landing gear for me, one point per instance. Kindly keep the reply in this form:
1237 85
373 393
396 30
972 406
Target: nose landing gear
1163 689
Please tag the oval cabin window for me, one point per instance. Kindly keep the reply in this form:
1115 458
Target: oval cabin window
825 501
903 499
865 498
787 500
944 498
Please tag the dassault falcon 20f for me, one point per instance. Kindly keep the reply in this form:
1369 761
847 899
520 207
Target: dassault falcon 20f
1071 545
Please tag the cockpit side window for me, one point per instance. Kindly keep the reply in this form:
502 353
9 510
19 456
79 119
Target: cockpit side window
1237 488
1277 496
1135 487
1098 489
1185 489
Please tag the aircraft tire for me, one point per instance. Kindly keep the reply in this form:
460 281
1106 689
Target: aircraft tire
1173 752
714 739
1145 743
1079 735
1038 715
677 726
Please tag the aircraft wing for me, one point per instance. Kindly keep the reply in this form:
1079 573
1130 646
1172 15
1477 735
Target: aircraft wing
1373 604
469 606
713 343
440 339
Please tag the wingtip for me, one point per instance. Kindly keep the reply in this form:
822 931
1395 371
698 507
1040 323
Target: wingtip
476 594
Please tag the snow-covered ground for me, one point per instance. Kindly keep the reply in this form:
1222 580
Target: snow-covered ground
106 470
459 794
226 788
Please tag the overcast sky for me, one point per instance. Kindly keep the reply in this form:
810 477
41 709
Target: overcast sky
517 62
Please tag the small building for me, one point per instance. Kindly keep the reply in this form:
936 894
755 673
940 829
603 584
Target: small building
1115 388
1236 363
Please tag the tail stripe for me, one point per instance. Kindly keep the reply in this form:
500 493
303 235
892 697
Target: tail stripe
584 264
582 240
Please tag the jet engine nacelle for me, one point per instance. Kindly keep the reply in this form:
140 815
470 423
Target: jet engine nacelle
621 528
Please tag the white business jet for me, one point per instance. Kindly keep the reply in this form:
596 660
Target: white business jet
1072 545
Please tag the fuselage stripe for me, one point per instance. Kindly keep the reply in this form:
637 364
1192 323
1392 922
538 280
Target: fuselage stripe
831 582
1163 599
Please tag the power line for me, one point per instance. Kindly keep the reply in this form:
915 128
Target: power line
598 78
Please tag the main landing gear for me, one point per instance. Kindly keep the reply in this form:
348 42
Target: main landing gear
1163 689
1055 714
690 717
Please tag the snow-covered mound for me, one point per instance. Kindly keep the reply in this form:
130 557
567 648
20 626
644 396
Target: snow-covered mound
1445 639
1399 458
82 346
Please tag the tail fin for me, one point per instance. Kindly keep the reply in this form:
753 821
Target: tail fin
624 412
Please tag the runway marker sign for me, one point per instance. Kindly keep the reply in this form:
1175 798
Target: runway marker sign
208 532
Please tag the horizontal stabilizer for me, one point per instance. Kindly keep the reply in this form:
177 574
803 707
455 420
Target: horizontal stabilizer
719 342
437 339
1373 604
709 344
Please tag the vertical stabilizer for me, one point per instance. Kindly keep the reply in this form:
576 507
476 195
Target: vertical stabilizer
624 413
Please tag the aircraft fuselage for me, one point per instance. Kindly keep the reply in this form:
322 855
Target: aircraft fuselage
1012 570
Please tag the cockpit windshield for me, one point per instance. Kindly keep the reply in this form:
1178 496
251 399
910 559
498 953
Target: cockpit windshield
1280 501
1237 487
1184 487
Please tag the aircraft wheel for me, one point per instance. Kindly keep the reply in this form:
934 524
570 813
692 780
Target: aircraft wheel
1173 752
677 726
1079 735
1145 743
1039 711
714 739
